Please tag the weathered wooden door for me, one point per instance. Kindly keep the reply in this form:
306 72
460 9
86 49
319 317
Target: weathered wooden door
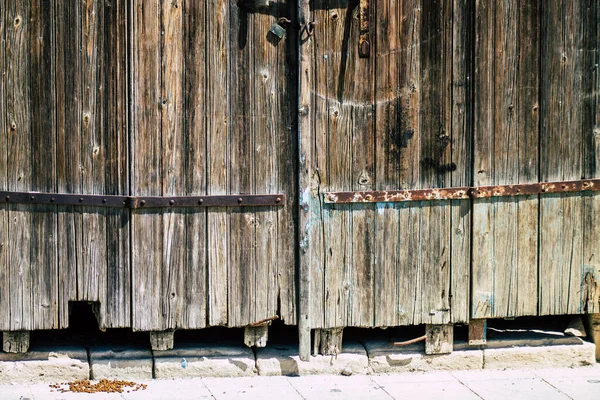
394 120
213 113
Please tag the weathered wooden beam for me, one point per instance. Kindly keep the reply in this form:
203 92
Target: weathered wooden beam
162 340
477 332
15 342
305 132
593 324
256 336
328 342
440 339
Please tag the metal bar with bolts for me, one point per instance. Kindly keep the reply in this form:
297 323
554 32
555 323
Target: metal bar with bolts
466 192
142 201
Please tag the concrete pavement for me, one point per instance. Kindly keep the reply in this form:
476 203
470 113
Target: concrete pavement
545 384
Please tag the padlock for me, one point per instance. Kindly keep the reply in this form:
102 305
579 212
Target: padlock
277 30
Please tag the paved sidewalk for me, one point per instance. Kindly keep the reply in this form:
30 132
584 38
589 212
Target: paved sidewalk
545 384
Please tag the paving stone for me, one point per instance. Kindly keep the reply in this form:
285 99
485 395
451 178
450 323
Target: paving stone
577 388
167 389
214 360
579 355
56 364
386 358
339 387
430 390
257 387
276 360
119 362
515 389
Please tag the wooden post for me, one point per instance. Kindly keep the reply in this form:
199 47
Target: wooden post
440 339
329 341
15 342
477 332
162 340
256 336
593 321
305 167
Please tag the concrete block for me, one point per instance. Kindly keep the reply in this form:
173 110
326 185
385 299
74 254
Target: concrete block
120 363
561 356
284 360
214 360
386 358
56 364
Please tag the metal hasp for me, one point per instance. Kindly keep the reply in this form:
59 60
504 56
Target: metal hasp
268 200
364 42
467 192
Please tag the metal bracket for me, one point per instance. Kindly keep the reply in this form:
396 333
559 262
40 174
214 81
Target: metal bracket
364 41
134 202
466 192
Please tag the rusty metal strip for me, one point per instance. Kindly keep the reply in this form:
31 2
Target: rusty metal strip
467 192
142 201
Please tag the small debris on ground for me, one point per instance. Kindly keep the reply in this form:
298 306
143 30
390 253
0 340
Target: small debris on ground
103 386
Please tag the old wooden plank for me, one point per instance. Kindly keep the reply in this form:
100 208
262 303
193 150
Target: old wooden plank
217 23
162 340
147 227
15 342
172 169
286 145
116 306
267 121
388 112
4 243
461 108
439 339
242 252
307 220
256 336
565 30
68 128
591 137
477 332
506 104
314 156
194 152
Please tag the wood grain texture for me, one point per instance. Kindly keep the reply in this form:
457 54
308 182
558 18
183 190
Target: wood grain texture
506 151
92 158
4 270
570 51
29 107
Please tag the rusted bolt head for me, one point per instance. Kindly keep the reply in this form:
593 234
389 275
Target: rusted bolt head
240 200
143 203
52 200
7 198
200 201
32 198
81 199
278 200
104 200
171 202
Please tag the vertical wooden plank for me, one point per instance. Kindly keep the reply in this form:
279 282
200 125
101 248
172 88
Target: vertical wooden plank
194 152
4 241
461 119
68 126
339 288
316 158
242 256
285 88
42 157
308 228
146 141
506 101
388 50
116 306
19 174
172 173
217 91
267 120
568 28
